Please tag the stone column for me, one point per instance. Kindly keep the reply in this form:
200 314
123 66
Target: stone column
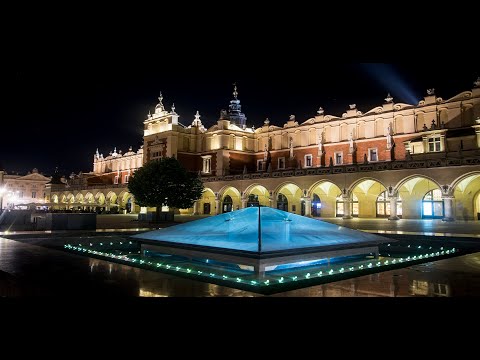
273 203
477 131
347 209
244 203
217 206
308 206
195 208
393 209
448 207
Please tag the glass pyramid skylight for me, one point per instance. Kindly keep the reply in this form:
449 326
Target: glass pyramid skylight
280 230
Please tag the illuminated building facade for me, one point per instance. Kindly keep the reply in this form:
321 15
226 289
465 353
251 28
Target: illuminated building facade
21 191
105 189
394 161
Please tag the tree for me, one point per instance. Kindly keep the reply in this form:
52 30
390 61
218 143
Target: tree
165 182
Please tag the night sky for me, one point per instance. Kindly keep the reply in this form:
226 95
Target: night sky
62 112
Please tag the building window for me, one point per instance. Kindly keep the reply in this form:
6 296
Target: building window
115 179
125 181
207 164
372 155
253 200
434 144
282 202
316 206
338 158
383 206
281 163
308 160
20 195
432 205
34 194
259 165
227 204
353 204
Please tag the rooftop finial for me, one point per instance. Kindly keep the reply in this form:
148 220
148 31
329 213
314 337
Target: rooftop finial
320 111
173 108
389 98
235 92
431 91
266 122
477 83
197 121
160 98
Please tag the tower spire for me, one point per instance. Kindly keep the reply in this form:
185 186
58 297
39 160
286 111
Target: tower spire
235 92
159 109
235 114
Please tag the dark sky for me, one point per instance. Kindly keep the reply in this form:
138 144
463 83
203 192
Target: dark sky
60 113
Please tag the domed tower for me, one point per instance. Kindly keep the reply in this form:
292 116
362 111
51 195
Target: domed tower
235 114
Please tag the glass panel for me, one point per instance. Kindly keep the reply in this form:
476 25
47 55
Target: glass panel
437 195
339 208
380 209
382 196
427 208
438 208
387 206
428 196
399 209
355 209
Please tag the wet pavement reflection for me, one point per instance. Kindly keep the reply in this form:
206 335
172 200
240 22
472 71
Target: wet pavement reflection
31 270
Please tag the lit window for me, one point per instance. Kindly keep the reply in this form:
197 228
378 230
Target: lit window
34 194
434 144
308 160
115 180
372 155
207 164
338 158
281 163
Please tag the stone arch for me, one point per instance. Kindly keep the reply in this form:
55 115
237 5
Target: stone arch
70 198
122 198
412 191
111 197
293 193
367 191
206 204
410 177
89 198
327 191
55 198
466 191
79 198
234 194
100 198
260 192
